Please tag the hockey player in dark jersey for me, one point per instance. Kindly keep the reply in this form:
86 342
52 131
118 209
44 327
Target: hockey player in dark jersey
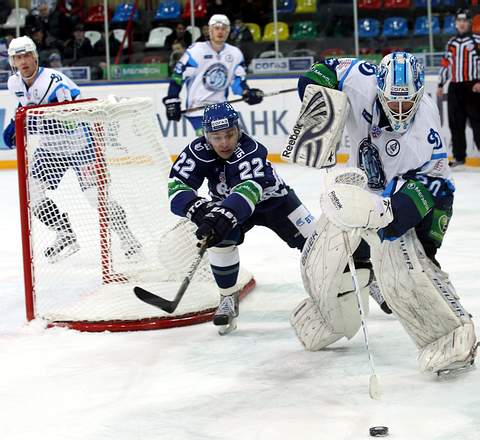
244 191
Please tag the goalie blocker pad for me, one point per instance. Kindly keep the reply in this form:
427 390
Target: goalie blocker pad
424 301
331 312
316 135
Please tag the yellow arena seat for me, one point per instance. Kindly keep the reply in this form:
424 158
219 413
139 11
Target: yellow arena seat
255 31
306 7
269 31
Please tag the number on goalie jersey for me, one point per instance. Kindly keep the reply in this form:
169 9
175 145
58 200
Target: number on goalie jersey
245 191
400 201
61 145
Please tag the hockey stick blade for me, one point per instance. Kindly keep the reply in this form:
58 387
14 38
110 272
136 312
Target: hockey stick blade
165 304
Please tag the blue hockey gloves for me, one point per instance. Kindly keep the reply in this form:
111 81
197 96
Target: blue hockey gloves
197 209
253 96
172 106
9 135
216 225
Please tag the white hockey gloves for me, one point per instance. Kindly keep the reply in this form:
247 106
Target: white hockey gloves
347 204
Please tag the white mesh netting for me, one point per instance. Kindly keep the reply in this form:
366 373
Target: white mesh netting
102 165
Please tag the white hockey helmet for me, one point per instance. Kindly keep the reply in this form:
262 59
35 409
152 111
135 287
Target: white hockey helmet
21 45
219 19
400 87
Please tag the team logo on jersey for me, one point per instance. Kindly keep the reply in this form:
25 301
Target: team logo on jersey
369 161
392 147
215 77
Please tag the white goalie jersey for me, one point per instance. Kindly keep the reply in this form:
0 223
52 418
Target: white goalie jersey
382 153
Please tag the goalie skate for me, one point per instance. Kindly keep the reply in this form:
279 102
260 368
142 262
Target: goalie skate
64 245
131 247
226 314
459 367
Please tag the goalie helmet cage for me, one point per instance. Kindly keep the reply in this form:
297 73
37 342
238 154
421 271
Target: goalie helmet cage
103 164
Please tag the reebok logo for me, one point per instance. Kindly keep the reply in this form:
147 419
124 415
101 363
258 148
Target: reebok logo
334 199
292 140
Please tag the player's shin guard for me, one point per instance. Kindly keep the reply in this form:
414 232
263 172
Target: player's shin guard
424 301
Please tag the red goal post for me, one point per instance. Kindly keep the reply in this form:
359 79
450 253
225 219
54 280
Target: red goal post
88 156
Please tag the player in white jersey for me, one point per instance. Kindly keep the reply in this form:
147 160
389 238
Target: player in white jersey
208 69
394 202
34 85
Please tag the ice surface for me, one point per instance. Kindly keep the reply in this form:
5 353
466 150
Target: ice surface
256 383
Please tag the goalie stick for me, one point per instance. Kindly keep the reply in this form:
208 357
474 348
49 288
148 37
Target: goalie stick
265 95
165 304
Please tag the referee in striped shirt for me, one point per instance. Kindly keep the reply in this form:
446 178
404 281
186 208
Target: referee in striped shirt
461 65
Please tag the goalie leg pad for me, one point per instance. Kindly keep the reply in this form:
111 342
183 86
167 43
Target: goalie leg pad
332 310
423 299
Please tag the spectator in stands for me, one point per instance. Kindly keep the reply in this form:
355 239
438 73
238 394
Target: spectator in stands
78 46
460 67
55 60
4 65
35 5
256 11
240 32
226 7
114 45
45 44
5 10
181 35
72 12
178 49
46 19
205 34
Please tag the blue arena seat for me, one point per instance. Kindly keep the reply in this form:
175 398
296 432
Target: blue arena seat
285 6
368 27
167 10
123 11
395 27
421 27
449 25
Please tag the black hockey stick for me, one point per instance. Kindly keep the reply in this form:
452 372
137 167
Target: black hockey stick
165 304
265 95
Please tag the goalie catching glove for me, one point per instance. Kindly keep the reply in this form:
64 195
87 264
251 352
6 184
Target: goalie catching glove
347 204
252 96
216 225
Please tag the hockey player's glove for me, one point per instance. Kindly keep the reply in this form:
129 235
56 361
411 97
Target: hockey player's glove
197 209
172 106
253 96
216 225
9 135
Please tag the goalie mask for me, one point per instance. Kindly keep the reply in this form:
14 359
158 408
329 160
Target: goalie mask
400 87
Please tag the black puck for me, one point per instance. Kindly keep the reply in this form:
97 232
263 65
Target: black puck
379 431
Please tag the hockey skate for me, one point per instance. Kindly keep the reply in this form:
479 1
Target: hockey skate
64 245
131 247
459 367
226 314
374 292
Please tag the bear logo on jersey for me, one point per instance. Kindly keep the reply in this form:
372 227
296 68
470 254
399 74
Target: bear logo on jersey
215 77
370 162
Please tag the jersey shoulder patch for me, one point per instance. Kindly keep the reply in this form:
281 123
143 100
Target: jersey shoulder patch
201 150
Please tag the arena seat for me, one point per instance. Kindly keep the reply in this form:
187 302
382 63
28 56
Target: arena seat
396 4
449 25
306 7
95 14
368 27
123 11
369 4
11 22
395 27
93 36
157 36
285 6
195 31
304 30
476 24
167 10
255 31
422 4
199 8
422 26
282 31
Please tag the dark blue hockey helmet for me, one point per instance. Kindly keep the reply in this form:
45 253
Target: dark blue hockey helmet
218 117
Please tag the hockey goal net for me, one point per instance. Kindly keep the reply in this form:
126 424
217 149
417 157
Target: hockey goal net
96 220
